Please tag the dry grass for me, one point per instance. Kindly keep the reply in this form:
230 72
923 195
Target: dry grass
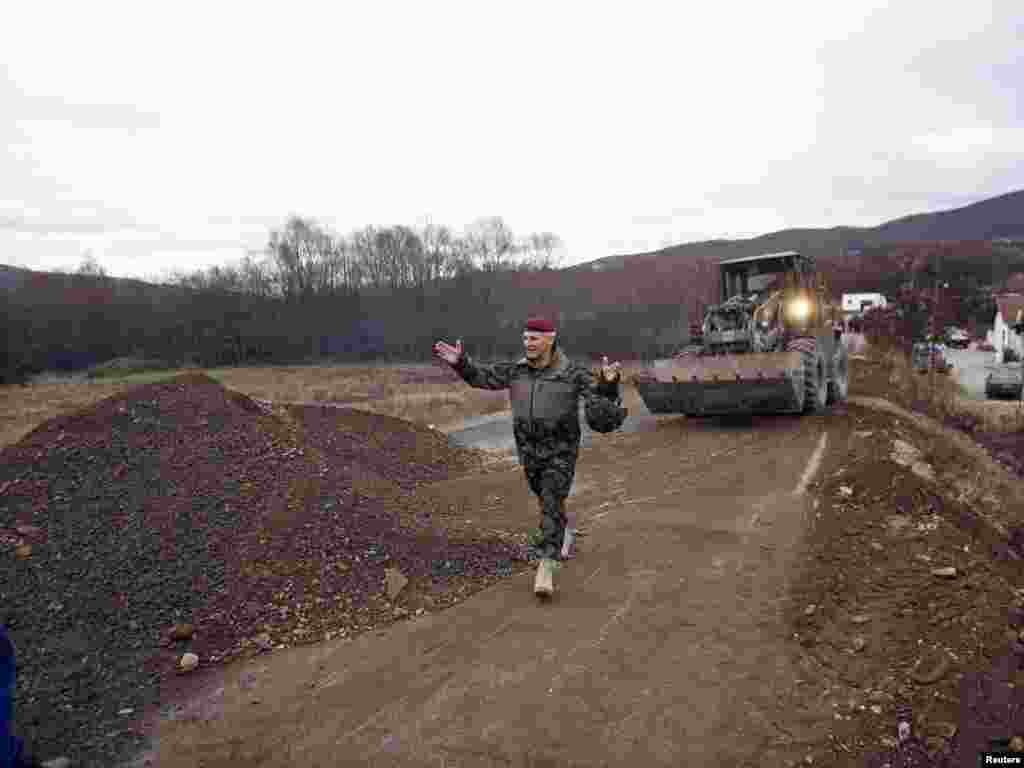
22 409
424 394
421 393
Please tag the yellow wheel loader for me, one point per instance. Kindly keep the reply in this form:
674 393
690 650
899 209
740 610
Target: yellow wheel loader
772 345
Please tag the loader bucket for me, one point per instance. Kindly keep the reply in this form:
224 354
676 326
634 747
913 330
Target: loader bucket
766 382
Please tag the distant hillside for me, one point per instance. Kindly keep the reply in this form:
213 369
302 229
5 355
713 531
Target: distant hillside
996 217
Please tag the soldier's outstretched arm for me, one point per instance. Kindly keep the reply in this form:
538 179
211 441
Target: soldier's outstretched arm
479 375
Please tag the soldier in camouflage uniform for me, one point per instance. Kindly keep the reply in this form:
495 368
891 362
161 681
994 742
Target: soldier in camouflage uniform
544 388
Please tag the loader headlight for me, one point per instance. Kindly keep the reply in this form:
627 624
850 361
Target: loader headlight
799 309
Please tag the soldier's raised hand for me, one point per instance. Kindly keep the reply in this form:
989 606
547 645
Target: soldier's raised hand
610 372
448 353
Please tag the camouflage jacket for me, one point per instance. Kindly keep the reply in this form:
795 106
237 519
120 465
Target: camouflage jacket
545 404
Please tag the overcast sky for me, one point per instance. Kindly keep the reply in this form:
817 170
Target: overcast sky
178 137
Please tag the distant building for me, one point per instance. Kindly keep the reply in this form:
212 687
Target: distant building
856 303
1009 312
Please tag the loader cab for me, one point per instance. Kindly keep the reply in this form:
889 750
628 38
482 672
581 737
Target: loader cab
759 275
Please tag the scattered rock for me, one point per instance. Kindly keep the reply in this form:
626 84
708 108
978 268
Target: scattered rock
395 582
945 573
263 642
923 470
904 453
189 662
810 609
876 709
859 643
877 547
925 673
907 455
897 523
845 490
860 618
125 712
181 632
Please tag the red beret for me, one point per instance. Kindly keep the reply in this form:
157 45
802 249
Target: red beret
540 325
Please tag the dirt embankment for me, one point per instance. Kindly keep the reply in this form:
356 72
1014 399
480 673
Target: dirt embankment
908 594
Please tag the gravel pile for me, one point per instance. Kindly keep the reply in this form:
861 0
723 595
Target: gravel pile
183 503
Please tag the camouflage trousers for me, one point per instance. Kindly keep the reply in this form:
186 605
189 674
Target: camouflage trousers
551 484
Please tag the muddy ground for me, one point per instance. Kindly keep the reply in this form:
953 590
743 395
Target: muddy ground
864 620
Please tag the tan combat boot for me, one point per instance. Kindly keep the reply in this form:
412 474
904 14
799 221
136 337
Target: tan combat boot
567 543
543 585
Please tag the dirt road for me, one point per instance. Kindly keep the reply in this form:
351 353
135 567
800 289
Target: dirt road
665 643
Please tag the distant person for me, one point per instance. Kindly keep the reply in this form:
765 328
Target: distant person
12 748
545 388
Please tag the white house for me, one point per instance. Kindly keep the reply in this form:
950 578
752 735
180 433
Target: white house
1009 311
854 303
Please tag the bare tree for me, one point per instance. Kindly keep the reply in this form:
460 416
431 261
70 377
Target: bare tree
90 266
540 248
492 243
302 251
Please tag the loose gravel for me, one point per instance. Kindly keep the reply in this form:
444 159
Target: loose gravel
184 502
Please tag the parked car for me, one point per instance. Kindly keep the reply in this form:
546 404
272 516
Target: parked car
919 358
1006 380
957 338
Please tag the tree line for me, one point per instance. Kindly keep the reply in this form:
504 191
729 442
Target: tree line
387 293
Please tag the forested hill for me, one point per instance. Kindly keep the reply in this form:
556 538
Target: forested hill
996 217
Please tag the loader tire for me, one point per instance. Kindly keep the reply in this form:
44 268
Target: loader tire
815 377
839 386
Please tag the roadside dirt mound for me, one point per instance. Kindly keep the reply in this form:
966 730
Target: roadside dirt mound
871 375
880 618
185 503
